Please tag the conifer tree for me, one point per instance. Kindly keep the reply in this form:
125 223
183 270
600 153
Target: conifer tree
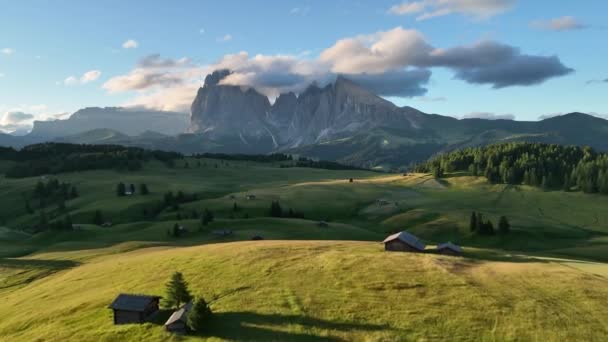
177 291
199 313
503 225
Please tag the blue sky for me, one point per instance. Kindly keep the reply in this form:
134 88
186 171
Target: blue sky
46 47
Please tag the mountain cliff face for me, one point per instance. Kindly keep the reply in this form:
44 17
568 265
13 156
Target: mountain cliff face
127 121
316 115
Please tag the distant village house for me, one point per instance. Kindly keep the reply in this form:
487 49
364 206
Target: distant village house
250 197
403 242
131 308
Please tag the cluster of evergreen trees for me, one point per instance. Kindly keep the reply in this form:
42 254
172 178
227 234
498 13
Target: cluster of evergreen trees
277 211
320 164
53 158
535 164
274 157
478 226
122 189
51 192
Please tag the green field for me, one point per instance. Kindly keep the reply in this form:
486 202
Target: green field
546 280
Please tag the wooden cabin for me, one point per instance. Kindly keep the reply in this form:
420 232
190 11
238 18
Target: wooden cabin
178 322
131 308
449 248
403 242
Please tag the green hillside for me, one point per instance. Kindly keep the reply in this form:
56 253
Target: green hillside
546 279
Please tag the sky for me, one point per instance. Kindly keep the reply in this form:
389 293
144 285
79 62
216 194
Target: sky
521 59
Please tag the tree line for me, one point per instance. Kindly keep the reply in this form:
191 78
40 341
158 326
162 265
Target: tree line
53 158
547 166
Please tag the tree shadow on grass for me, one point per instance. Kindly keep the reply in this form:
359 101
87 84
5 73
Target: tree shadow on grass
251 326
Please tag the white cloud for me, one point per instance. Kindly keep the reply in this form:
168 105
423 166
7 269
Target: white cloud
396 62
427 9
431 99
130 44
201 31
225 38
559 24
488 116
378 52
90 76
8 51
87 77
160 83
303 11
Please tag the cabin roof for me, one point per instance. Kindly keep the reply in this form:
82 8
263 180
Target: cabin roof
450 245
132 302
181 314
407 238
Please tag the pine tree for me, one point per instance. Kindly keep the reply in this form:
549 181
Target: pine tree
28 208
566 185
43 221
98 218
67 222
74 193
473 222
503 225
199 313
275 209
177 291
207 217
143 189
120 189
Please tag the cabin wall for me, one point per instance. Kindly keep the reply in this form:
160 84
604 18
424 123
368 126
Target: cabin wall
399 246
127 317
177 327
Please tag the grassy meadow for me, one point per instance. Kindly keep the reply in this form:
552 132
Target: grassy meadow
546 280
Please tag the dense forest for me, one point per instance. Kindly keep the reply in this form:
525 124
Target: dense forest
274 157
535 164
53 158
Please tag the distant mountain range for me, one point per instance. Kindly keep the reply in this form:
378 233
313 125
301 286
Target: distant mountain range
341 121
127 121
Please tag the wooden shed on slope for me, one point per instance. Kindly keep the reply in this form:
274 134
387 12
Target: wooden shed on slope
449 248
132 308
178 322
403 242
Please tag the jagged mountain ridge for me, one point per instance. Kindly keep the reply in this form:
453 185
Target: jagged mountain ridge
316 115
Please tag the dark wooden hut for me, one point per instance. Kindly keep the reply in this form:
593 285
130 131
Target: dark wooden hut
131 308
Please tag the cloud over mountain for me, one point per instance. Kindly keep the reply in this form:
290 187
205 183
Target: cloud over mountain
397 62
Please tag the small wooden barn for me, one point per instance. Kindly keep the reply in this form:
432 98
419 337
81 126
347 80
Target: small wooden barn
449 248
403 242
132 308
178 322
